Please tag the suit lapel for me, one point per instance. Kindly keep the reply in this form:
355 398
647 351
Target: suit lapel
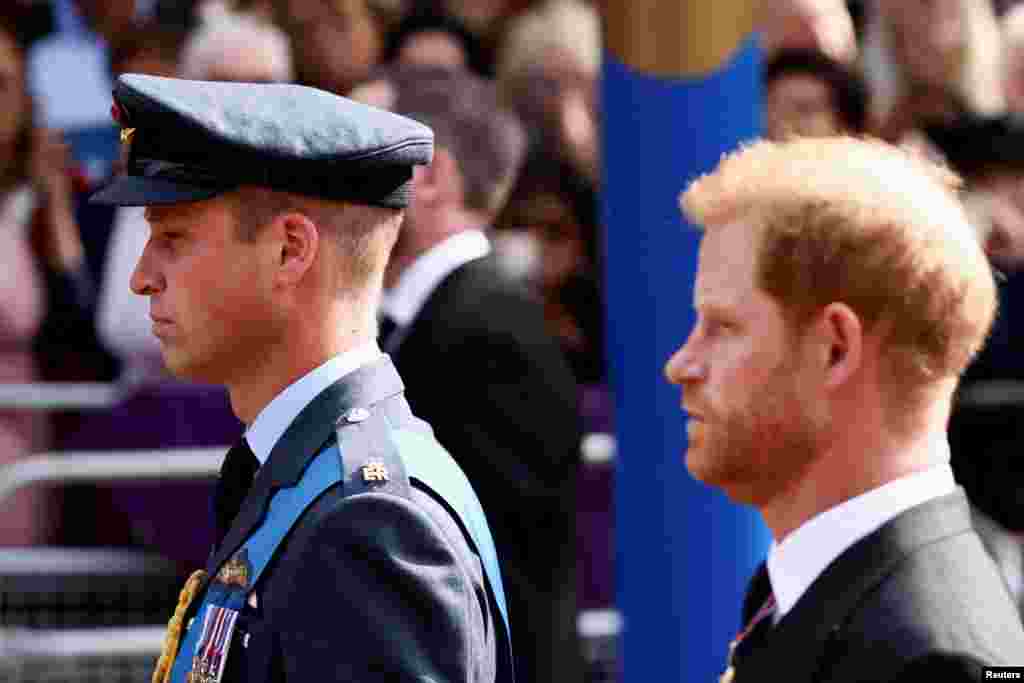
304 439
795 647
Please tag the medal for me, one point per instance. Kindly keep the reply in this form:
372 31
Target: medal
211 652
235 571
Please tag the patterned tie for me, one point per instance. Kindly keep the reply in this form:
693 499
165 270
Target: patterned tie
236 475
740 647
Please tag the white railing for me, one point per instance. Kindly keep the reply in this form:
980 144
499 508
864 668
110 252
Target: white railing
61 396
91 466
134 641
992 394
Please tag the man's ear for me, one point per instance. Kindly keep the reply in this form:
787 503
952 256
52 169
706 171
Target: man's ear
439 180
842 337
299 243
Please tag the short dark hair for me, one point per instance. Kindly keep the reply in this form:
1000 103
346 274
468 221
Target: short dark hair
148 38
364 233
486 140
849 93
23 142
424 21
976 145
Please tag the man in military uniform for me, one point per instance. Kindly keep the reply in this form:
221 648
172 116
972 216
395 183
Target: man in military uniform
350 546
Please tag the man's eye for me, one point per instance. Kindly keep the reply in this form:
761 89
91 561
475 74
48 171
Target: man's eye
718 327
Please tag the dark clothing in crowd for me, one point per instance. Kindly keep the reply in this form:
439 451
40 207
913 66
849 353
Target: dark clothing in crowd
481 368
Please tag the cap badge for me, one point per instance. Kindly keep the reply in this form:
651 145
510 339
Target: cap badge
375 471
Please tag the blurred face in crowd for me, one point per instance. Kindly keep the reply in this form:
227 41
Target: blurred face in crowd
335 43
152 62
823 25
997 201
799 104
432 48
1013 77
13 97
742 375
553 231
378 93
928 38
479 15
209 291
109 18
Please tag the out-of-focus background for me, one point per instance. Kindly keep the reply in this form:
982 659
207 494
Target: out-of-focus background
106 463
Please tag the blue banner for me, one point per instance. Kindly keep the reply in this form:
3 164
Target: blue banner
684 551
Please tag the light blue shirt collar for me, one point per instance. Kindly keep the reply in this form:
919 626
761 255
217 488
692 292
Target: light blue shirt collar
270 425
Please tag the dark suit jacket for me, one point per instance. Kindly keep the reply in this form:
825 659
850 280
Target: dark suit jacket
917 597
482 369
367 586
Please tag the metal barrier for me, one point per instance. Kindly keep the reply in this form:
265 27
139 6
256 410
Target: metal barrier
81 614
991 394
107 655
60 396
88 466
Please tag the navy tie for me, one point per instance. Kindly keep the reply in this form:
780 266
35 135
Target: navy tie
387 327
236 475
749 639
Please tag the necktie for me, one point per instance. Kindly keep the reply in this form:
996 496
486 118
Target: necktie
236 475
387 327
756 629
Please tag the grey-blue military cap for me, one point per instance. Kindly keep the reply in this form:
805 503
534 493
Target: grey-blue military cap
184 141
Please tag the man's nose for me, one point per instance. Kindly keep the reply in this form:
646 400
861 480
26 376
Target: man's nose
684 367
145 280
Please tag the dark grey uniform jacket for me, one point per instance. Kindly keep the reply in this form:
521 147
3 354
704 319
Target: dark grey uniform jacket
369 586
919 599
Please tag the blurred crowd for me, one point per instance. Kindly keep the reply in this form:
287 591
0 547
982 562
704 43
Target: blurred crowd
67 309
945 76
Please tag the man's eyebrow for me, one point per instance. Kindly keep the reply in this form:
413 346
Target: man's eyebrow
713 307
154 214
158 215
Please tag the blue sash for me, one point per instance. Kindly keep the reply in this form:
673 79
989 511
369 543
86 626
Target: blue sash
443 476
204 649
203 653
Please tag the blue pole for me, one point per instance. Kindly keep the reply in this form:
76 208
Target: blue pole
684 551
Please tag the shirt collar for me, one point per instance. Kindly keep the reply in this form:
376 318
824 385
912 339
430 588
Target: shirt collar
271 423
796 562
415 285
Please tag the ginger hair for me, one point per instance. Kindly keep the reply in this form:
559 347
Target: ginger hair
866 224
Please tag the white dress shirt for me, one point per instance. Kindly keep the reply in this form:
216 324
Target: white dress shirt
795 563
270 425
404 301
